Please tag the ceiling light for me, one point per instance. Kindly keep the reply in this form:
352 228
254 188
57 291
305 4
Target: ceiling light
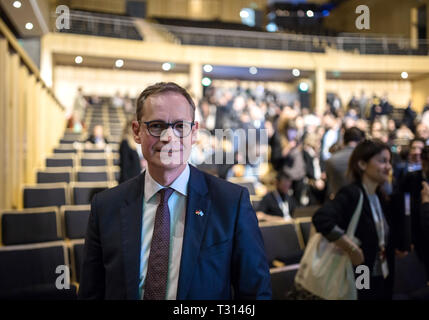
17 4
166 66
253 70
404 75
78 59
244 14
207 68
296 72
303 86
29 26
119 63
310 14
206 81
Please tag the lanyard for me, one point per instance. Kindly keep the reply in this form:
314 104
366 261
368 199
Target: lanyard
377 215
284 206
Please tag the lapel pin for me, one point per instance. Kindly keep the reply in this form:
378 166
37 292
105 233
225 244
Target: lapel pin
199 213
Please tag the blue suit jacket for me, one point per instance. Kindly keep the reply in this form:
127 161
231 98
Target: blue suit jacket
223 255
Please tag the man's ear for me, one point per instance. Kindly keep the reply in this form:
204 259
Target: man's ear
136 131
362 165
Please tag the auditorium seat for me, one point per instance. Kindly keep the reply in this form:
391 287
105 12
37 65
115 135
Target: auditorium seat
248 183
93 161
281 243
75 220
305 211
282 280
92 174
46 195
76 257
84 191
29 272
64 150
61 160
55 174
30 225
410 278
304 225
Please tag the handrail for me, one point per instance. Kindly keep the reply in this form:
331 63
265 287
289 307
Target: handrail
26 59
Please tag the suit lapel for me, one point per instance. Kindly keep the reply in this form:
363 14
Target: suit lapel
195 226
131 226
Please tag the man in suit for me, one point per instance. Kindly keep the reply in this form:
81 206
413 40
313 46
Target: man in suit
277 204
173 232
407 203
336 166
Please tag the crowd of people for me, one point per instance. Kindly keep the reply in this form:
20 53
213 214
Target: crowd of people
311 159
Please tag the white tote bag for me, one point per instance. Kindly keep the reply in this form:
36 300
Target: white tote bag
326 270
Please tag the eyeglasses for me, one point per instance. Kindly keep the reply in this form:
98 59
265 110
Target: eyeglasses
181 128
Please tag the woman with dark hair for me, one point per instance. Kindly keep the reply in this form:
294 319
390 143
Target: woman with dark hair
369 167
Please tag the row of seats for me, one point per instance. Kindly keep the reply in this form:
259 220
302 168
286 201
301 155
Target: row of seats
37 271
43 224
72 160
78 174
59 194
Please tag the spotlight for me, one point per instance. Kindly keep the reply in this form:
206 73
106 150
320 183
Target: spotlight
207 68
404 75
78 59
206 81
119 63
17 4
296 72
166 66
253 70
303 87
29 26
310 14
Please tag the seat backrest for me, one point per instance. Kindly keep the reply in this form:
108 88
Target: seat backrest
305 228
52 175
63 150
92 176
76 254
46 195
60 162
75 220
281 242
249 185
30 226
305 211
24 266
84 191
93 162
282 281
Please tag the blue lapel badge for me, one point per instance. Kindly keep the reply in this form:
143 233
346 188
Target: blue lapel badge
199 213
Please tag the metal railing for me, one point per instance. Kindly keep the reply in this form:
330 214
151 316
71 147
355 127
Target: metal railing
100 25
297 42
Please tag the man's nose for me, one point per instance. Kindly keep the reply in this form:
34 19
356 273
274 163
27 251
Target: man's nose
167 134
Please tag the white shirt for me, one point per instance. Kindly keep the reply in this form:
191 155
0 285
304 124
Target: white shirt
177 207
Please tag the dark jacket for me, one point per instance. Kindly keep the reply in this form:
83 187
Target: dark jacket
129 162
336 214
223 254
269 205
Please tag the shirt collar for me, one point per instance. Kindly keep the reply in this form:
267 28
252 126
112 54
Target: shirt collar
151 187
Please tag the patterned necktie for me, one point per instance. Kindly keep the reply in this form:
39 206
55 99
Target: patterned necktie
155 287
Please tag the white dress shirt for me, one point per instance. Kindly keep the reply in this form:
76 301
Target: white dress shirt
177 207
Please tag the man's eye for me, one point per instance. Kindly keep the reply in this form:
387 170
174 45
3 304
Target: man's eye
157 125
